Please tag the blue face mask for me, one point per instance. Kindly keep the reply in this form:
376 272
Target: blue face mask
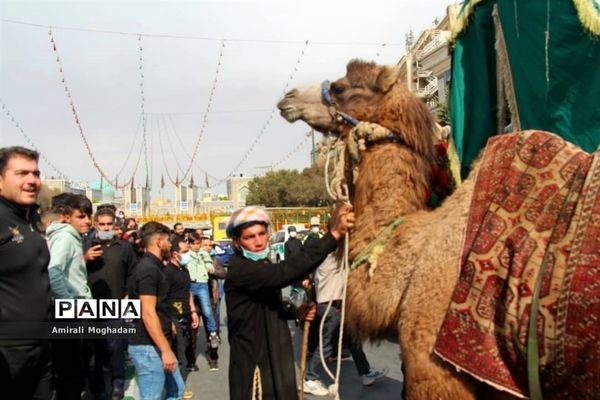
185 259
256 256
106 235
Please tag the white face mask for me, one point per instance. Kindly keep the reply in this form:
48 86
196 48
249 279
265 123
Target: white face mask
185 259
106 235
256 255
293 234
314 229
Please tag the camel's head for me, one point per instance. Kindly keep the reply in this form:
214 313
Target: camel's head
368 92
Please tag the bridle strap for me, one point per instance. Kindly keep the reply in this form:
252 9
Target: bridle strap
337 114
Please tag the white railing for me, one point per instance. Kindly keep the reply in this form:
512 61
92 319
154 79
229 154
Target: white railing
436 42
423 73
430 88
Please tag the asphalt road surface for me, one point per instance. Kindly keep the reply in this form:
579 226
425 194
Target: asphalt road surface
214 385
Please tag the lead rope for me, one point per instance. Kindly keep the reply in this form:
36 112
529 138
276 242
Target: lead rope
338 191
257 393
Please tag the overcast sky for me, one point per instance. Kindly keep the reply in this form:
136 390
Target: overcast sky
263 42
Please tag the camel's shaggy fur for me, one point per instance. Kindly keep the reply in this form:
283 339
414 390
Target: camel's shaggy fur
410 290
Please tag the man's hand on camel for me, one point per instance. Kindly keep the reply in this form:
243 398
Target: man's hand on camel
342 220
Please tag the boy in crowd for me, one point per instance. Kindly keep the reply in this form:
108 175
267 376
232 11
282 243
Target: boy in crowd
200 266
68 280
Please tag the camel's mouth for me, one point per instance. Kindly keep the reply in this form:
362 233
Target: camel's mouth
290 113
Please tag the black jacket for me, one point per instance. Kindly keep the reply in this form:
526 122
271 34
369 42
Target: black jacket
258 330
292 246
24 258
110 274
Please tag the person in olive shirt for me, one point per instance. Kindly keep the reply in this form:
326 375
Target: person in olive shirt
181 302
24 285
200 265
149 348
261 356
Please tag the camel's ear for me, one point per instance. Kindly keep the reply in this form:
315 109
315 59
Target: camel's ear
388 77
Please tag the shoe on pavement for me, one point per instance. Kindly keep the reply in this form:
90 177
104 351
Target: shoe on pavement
188 394
315 387
192 367
117 394
372 376
213 365
214 340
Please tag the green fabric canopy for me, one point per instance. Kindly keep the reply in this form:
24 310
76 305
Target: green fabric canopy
555 66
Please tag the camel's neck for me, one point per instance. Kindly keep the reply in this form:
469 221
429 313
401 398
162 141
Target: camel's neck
392 181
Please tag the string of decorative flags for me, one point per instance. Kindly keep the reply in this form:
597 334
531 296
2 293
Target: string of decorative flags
143 107
204 118
296 148
176 182
183 147
137 131
160 118
186 171
104 175
30 142
268 121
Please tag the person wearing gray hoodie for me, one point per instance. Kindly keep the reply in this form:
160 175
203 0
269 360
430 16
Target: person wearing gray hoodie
67 269
68 280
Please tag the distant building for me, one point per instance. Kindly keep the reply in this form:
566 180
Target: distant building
237 190
185 199
101 191
137 201
64 186
211 204
425 68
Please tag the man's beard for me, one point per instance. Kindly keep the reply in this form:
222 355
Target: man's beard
165 254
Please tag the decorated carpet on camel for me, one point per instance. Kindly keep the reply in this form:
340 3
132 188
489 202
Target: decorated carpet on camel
535 210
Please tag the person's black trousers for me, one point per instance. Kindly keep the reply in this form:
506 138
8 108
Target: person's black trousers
25 372
68 366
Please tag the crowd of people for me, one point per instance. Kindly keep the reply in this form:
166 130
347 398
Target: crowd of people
70 252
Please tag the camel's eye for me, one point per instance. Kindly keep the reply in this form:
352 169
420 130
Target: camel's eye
337 90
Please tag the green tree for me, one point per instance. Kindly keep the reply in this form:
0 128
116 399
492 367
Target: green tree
289 188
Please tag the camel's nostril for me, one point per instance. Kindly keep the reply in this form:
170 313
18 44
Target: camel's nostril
291 94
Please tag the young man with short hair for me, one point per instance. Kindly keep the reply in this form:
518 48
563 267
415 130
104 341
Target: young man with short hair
68 280
178 231
24 287
155 363
182 307
261 356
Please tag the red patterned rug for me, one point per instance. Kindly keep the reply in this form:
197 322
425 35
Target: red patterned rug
536 201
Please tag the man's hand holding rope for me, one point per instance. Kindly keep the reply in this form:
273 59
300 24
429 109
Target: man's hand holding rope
342 220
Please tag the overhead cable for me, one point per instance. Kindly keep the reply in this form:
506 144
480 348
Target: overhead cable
192 37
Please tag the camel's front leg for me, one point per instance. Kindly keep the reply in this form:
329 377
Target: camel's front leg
426 376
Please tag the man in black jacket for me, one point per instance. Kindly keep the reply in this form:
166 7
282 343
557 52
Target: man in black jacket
110 265
24 286
261 356
293 244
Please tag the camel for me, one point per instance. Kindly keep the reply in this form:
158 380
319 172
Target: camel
408 294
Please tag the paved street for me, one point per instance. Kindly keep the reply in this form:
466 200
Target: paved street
214 385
